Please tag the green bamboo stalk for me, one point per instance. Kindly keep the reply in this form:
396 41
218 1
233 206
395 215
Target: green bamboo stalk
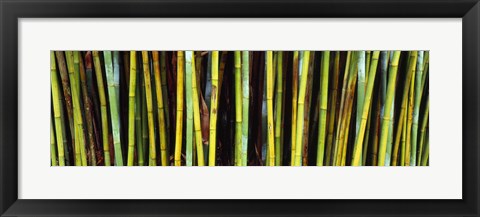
416 107
278 106
368 57
180 98
357 150
196 118
112 82
53 149
213 110
160 108
131 107
144 118
80 159
426 152
188 92
404 138
270 127
294 106
238 108
422 134
245 102
81 129
360 88
323 107
56 110
301 107
388 106
103 107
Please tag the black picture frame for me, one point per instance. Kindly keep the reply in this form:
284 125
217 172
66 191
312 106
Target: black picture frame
12 10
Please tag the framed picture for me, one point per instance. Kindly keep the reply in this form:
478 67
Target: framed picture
230 108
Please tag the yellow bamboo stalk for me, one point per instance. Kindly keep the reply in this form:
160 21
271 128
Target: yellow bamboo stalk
150 118
294 106
301 108
196 118
358 148
238 108
342 108
388 107
131 108
179 114
408 148
213 111
278 110
57 110
411 70
160 108
270 128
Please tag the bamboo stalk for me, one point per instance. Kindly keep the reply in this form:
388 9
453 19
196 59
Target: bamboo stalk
278 106
80 159
344 122
357 150
81 129
404 138
294 106
150 118
179 115
406 89
408 150
103 107
163 77
360 88
245 102
388 106
160 107
112 82
53 149
196 118
308 102
189 105
213 110
62 67
238 108
57 111
131 107
323 107
416 109
87 105
270 127
422 134
426 152
342 108
301 107
333 106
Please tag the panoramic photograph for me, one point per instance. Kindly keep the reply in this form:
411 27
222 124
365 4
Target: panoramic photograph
239 108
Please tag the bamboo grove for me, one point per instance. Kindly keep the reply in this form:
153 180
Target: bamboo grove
239 108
